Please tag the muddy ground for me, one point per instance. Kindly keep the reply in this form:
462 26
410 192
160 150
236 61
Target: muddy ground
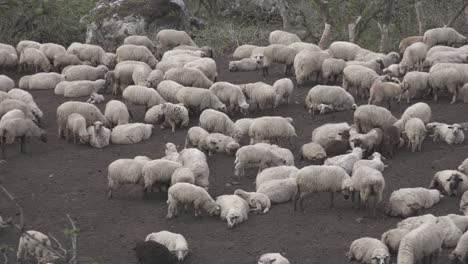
60 178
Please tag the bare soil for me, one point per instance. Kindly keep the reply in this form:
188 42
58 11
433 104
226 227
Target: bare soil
59 178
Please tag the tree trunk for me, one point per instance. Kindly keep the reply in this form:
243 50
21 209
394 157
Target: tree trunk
284 12
352 30
326 35
387 18
418 7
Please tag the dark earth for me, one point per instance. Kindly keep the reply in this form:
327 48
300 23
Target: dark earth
59 178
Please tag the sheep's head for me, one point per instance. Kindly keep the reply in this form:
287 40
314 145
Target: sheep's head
381 259
454 182
244 109
98 125
233 219
180 254
266 261
232 147
208 51
455 256
347 188
377 155
354 106
215 210
259 59
222 108
170 148
233 66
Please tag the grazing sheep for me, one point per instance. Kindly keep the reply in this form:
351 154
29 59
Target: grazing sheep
260 95
36 58
182 175
272 258
374 161
247 64
392 238
334 96
196 137
51 50
309 63
6 83
152 252
116 113
450 182
234 209
343 50
368 182
82 88
369 142
450 134
231 95
460 252
375 65
187 193
11 104
406 202
34 244
408 41
391 141
24 44
448 79
325 134
259 202
381 92
188 77
92 53
360 78
415 85
312 179
168 90
418 110
243 51
171 152
312 152
272 128
155 78
63 60
219 143
199 99
99 135
443 36
283 37
346 161
392 71
126 171
176 243
12 114
130 52
279 191
196 161
416 132
8 57
175 115
76 127
215 121
206 65
41 81
22 129
275 173
369 251
142 95
141 41
131 133
158 173
367 117
332 69
128 73
89 111
413 58
167 39
84 72
461 221
284 89
256 155
280 54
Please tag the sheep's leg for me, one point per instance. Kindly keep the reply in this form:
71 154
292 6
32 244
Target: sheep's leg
145 193
23 144
420 145
3 148
173 125
454 98
297 197
109 193
359 201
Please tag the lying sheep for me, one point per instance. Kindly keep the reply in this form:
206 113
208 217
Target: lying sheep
196 161
99 135
443 36
219 143
158 173
34 244
116 113
284 89
199 99
215 121
309 64
152 251
128 52
280 54
82 88
282 37
188 77
131 133
272 128
450 182
259 202
346 161
275 173
63 60
312 179
381 92
272 258
187 193
140 41
126 171
76 127
247 64
312 152
142 95
325 134
207 50
406 202
416 132
176 243
369 182
41 81
253 156
450 134
182 175
260 96
368 250
36 58
360 78
6 83
334 96
279 191
167 39
84 72
243 51
234 209
374 161
460 252
332 69
367 117
231 95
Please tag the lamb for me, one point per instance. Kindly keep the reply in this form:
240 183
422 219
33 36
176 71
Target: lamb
6 83
367 117
415 85
343 50
374 161
126 171
34 57
41 81
408 41
168 90
450 182
95 98
368 182
63 60
272 258
332 69
448 79
215 121
334 96
369 142
82 88
99 135
196 161
51 50
140 41
34 244
275 173
381 92
272 128
187 193
257 201
359 77
392 238
231 95
280 54
76 127
460 252
346 161
279 191
152 252
219 143
196 137
243 51
312 179
308 63
10 104
176 243
416 132
409 201
206 65
116 113
260 95
19 128
131 133
255 155
325 134
171 152
418 110
84 72
167 39
413 58
89 111
234 209
247 64
130 52
175 115
92 53
155 78
450 134
24 44
443 36
412 249
188 77
369 250
312 152
283 37
199 99
142 95
159 172
284 88
182 175
463 166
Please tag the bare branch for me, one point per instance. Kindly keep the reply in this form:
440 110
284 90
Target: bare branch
74 239
58 243
457 15
418 8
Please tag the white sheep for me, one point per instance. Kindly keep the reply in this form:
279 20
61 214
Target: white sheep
63 60
155 78
443 36
99 135
416 132
36 58
206 65
215 121
460 252
312 179
374 161
312 152
326 133
450 134
126 171
207 50
92 53
22 129
344 50
418 110
367 117
383 91
334 96
176 243
368 182
24 44
360 78
448 79
175 115
280 54
279 191
8 57
168 90
284 89
300 46
6 83
4 96
131 133
463 166
307 64
346 161
406 202
171 152
167 39
413 58
260 95
332 69
275 173
116 113
76 127
219 143
272 258
140 41
128 73
188 77
89 111
392 238
199 99
406 42
450 182
196 161
25 97
84 72
369 142
187 193
34 244
282 37
415 85
158 173
196 137
82 88
272 128
392 71
234 209
231 95
258 202
369 251
12 114
461 221
182 175
243 51
41 81
129 52
255 155
460 67
142 95
246 64
51 50
10 104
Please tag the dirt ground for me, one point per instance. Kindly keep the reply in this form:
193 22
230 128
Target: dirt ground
59 178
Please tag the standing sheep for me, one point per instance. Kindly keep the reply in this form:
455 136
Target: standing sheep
279 191
312 152
76 126
381 92
369 251
231 95
140 41
159 172
332 69
272 128
41 81
176 243
408 41
256 155
196 161
284 89
443 36
175 115
63 60
280 54
360 78
413 58
409 201
367 117
215 121
22 129
418 110
325 134
199 99
130 52
334 96
309 63
167 39
168 90
368 182
234 209
283 37
206 65
260 95
51 50
416 132
35 58
187 193
343 50
84 72
450 134
126 171
415 85
188 77
182 175
92 53
116 113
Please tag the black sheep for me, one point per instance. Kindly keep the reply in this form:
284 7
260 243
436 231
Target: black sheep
151 252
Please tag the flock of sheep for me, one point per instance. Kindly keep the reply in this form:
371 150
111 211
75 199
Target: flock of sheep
176 81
